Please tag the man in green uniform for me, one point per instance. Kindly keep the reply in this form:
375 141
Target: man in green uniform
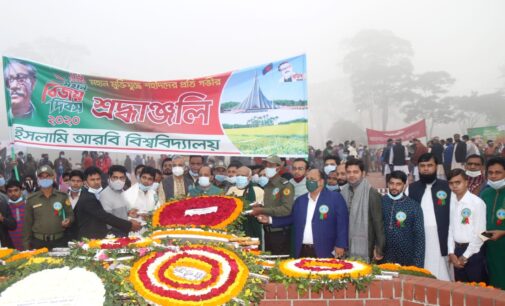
48 213
205 186
494 197
278 202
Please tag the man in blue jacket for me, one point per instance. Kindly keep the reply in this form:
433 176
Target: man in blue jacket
320 220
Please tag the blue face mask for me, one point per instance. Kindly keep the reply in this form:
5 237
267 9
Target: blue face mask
241 182
395 198
143 187
2 181
263 181
220 178
332 187
45 183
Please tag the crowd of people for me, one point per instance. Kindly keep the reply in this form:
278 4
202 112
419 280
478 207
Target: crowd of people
443 209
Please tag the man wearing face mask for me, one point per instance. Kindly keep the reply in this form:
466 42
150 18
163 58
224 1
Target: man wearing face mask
299 170
195 163
473 169
434 195
113 197
220 174
176 185
140 197
403 224
319 218
330 164
91 218
205 186
278 201
17 204
331 182
260 179
494 197
48 213
245 188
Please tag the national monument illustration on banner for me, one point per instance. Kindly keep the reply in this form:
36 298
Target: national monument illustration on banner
250 112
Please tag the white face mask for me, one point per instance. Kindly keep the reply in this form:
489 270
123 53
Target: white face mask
231 179
270 172
473 173
155 186
116 185
204 181
96 192
177 171
255 179
496 184
329 168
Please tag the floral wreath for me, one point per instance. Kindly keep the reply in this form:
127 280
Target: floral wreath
320 267
119 243
4 252
211 211
26 254
196 275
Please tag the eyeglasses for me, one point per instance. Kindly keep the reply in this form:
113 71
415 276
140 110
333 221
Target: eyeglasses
21 78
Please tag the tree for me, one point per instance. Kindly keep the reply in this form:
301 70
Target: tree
343 130
380 69
475 107
430 89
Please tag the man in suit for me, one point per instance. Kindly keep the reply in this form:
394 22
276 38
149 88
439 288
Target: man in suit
434 195
91 218
320 220
177 185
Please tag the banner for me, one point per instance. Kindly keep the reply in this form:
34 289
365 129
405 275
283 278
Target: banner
251 112
416 130
483 134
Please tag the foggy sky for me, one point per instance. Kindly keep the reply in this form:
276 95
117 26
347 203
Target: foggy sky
163 40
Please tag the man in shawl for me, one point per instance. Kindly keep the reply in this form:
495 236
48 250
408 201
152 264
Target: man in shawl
403 224
366 225
473 169
434 195
494 197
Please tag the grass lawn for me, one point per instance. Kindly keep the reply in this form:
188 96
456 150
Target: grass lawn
277 139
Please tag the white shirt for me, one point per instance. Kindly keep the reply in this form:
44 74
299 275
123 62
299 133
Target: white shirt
308 237
73 201
138 199
466 230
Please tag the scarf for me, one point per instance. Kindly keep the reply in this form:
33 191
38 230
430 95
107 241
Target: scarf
474 184
357 203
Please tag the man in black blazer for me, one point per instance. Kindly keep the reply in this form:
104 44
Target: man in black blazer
90 218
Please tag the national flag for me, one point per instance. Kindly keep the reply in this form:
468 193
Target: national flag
268 68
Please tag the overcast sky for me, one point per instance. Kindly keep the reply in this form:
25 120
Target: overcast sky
163 40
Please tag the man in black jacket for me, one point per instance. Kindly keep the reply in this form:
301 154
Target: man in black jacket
91 218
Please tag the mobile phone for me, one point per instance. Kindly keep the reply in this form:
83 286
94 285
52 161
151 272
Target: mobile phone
487 234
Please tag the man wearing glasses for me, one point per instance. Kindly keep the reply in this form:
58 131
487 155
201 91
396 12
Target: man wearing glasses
20 81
